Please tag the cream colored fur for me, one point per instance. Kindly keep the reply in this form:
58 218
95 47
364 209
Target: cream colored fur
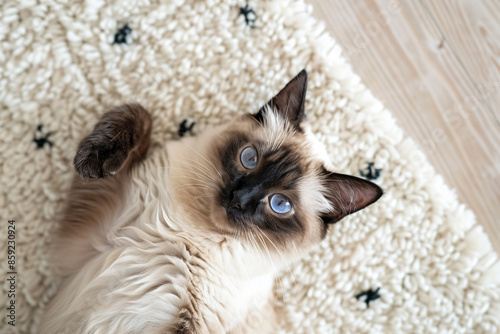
198 59
156 254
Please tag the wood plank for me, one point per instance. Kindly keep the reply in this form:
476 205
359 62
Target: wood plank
436 66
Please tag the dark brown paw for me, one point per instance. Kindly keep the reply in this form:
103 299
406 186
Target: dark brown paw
120 132
96 159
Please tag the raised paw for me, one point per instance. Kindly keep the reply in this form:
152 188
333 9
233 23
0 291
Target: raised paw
121 136
97 159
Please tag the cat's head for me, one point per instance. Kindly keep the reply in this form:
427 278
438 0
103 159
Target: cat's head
270 176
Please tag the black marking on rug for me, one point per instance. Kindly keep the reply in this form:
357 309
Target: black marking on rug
41 138
123 36
370 172
249 14
186 126
370 296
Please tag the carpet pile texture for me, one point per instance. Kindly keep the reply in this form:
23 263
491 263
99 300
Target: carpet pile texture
64 63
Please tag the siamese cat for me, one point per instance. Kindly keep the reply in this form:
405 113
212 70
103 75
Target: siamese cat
188 238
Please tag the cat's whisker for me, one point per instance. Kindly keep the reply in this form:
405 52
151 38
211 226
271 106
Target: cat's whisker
259 250
244 239
198 176
247 274
276 272
205 173
280 254
201 155
203 176
202 196
203 169
199 180
296 250
194 185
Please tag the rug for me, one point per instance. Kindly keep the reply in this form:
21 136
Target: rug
416 262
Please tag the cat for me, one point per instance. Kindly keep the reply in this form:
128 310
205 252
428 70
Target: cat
188 238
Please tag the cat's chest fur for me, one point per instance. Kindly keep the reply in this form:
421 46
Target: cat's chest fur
168 288
153 273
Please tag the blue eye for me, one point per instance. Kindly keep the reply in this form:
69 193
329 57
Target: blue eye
280 204
249 157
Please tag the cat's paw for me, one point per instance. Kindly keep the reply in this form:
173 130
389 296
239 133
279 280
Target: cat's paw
99 158
121 132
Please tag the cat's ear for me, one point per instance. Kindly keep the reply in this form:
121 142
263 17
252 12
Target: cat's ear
290 100
347 194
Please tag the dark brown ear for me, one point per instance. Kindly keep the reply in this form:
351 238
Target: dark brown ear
290 100
348 194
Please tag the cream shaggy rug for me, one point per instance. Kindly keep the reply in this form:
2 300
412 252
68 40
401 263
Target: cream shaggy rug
63 63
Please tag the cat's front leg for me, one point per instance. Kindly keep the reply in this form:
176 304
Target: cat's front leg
119 139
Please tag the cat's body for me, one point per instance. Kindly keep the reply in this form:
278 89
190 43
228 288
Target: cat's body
191 268
189 239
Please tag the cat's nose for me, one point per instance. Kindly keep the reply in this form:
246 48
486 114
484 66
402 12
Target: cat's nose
238 199
236 204
241 199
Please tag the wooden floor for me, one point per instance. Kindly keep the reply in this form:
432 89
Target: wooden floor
436 66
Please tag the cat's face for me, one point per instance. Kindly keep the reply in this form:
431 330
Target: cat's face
271 184
270 181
